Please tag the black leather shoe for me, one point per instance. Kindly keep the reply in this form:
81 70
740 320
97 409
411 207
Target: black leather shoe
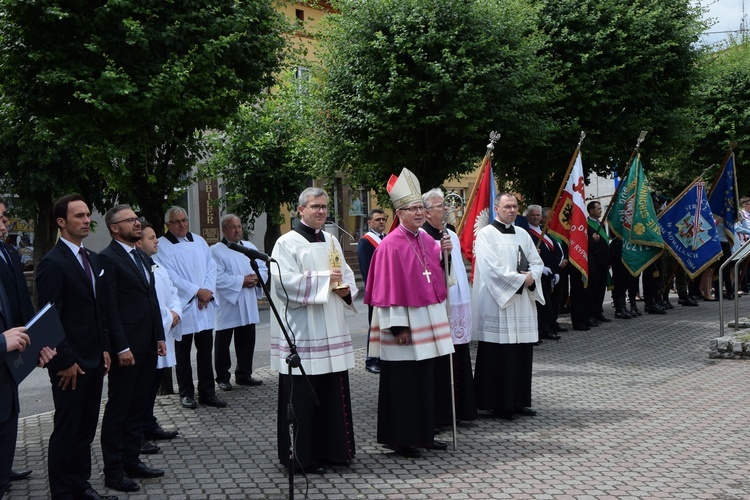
120 483
561 329
550 336
212 401
249 381
581 328
666 304
225 386
149 448
623 314
687 302
655 310
315 468
593 322
634 311
526 412
505 415
17 475
408 451
160 434
188 402
438 445
602 318
142 470
373 369
91 494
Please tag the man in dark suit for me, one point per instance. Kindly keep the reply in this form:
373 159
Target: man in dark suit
366 246
21 310
546 248
71 277
136 335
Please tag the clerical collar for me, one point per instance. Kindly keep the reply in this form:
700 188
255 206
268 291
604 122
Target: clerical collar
310 234
432 230
503 227
407 230
174 239
226 242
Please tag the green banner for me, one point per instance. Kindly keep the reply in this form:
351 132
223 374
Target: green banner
633 219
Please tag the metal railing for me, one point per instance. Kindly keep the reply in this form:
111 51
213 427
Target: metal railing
341 236
738 258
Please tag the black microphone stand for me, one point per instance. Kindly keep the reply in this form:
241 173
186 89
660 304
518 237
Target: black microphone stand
292 361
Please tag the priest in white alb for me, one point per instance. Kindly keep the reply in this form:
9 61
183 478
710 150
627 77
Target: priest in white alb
410 326
460 317
312 286
507 270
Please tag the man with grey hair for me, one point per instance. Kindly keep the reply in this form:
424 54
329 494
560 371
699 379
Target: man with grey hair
460 319
137 336
238 288
550 273
187 258
313 285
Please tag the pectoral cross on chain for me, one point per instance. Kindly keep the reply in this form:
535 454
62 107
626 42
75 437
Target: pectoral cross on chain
427 274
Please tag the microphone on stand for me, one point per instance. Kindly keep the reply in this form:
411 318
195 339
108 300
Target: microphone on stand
250 252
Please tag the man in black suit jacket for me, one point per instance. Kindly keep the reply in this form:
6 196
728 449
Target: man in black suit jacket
546 248
21 310
136 335
71 277
11 276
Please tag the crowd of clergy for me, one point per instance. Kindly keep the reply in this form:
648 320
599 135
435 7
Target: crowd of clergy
175 291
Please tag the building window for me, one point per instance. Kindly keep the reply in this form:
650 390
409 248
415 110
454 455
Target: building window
300 15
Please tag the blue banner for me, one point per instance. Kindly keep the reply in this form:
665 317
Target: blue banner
689 231
723 197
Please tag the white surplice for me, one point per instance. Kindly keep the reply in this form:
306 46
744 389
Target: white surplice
313 314
169 300
238 305
190 267
500 315
460 296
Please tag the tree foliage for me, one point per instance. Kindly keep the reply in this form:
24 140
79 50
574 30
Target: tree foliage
722 110
421 83
625 66
112 98
263 158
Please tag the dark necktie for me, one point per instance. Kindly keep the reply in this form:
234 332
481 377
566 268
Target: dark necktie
382 236
86 265
139 265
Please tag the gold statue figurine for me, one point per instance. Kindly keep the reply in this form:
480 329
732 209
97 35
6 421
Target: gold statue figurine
334 260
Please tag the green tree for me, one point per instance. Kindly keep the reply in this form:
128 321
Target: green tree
112 98
421 83
263 159
722 110
625 66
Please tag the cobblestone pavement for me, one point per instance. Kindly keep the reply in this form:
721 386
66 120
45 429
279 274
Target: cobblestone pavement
631 409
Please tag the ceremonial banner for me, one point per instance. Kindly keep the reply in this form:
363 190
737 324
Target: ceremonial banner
689 231
569 221
633 219
723 197
481 212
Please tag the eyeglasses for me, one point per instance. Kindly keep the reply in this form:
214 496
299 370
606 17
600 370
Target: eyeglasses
181 221
416 208
380 219
132 220
318 208
439 205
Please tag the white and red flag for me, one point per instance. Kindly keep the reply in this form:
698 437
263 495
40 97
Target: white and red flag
569 222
